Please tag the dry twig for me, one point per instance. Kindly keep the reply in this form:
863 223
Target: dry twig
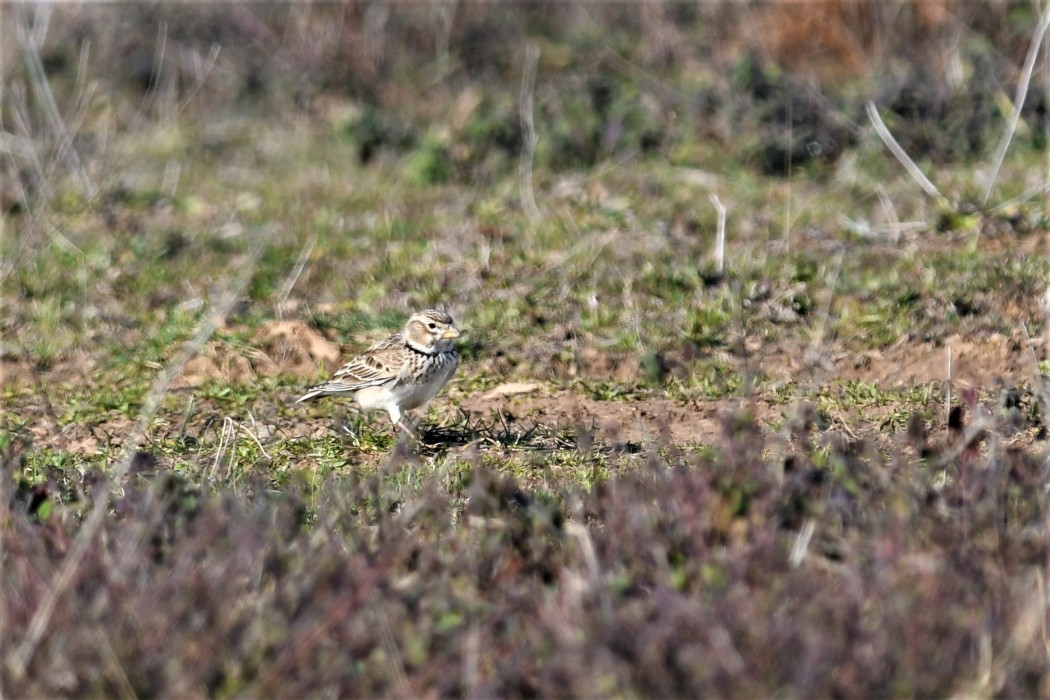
528 145
898 152
1019 98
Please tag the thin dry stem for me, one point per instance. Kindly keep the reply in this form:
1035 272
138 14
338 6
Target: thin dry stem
948 389
19 661
801 544
398 665
446 12
225 437
20 114
471 654
200 76
720 245
898 152
813 354
254 437
42 90
889 210
113 665
83 91
1028 194
293 277
154 77
528 146
1019 98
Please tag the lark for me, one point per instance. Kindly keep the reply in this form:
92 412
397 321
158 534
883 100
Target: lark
400 373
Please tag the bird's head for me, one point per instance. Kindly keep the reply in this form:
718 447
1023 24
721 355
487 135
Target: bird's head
431 331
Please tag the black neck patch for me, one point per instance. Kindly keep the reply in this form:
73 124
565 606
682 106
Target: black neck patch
420 351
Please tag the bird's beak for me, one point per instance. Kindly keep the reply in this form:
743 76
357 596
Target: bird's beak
450 333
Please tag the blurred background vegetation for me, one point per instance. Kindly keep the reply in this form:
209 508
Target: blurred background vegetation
773 86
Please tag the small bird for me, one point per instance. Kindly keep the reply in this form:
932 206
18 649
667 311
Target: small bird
400 373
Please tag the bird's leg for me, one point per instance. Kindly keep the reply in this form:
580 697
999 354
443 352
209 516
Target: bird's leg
397 420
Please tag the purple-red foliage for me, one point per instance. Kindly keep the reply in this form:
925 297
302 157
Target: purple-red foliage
678 580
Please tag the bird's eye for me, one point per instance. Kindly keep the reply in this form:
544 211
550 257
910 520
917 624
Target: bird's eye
431 325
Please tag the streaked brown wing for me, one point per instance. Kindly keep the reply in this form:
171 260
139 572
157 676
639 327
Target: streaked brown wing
380 363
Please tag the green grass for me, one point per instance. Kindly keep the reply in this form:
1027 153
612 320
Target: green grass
617 278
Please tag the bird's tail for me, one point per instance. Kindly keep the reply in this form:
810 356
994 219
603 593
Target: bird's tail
312 394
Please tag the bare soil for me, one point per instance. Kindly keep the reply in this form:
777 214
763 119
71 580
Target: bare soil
293 348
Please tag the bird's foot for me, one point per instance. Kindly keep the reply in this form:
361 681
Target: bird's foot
405 427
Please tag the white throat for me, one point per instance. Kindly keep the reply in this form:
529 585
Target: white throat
422 349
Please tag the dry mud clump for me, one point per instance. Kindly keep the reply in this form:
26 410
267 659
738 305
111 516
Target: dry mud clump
279 347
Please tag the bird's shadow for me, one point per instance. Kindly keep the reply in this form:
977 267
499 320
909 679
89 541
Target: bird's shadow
496 430
500 431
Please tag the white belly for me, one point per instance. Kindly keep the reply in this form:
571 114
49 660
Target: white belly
411 396
375 398
404 396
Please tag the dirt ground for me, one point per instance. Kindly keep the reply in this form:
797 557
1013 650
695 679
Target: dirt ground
294 348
